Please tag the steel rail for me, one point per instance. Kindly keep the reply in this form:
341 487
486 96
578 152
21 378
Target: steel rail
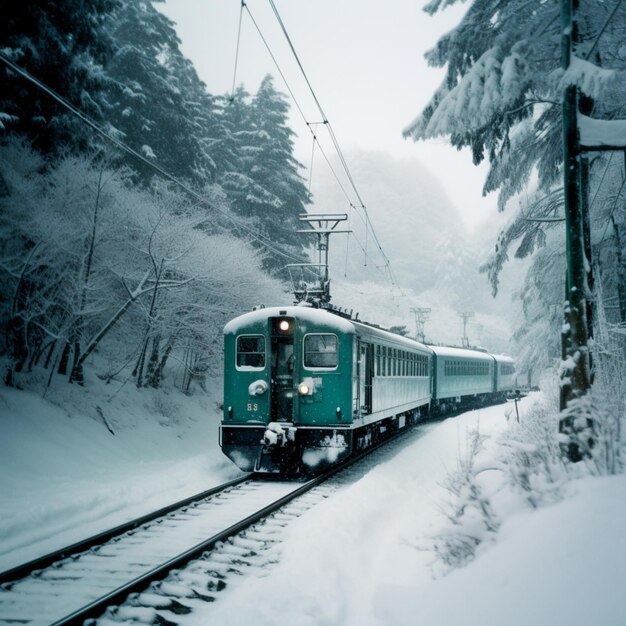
117 596
97 607
21 571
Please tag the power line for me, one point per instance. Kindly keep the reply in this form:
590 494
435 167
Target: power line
315 138
232 91
333 138
124 147
296 103
366 221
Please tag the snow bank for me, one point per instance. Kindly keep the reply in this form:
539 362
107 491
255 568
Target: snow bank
64 476
337 556
562 564
356 559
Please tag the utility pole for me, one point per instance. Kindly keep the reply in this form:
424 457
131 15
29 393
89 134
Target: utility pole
465 316
575 370
581 135
311 281
422 315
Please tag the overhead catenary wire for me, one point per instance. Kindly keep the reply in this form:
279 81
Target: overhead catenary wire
232 91
296 103
333 138
309 126
125 148
365 219
303 115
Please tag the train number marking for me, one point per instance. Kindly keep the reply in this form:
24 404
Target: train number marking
253 406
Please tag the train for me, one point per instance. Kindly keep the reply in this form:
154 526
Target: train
305 388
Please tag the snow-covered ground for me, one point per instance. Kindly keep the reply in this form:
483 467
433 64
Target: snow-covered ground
64 476
362 557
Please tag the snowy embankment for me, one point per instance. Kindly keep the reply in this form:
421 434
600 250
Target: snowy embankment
64 476
366 556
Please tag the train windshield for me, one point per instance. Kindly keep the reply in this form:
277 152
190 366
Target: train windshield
251 351
320 351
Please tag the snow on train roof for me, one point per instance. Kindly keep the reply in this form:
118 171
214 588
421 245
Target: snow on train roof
389 336
503 358
310 314
459 353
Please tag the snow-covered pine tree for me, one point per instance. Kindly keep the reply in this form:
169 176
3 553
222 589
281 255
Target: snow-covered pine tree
277 170
538 334
66 45
158 104
501 98
263 180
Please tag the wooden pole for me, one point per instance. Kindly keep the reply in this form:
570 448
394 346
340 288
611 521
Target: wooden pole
575 368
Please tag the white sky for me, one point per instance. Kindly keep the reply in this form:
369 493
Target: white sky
365 61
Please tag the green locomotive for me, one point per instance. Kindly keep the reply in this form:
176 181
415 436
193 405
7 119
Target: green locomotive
305 387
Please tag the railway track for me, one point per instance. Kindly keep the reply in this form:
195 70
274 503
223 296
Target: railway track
42 562
80 581
133 569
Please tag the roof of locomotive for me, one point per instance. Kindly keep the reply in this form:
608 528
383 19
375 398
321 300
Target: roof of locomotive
322 317
460 353
310 314
330 319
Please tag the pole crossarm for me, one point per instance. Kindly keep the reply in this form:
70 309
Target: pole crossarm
597 135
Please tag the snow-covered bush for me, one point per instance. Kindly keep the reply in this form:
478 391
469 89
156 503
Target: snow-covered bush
605 406
161 403
525 466
470 519
529 450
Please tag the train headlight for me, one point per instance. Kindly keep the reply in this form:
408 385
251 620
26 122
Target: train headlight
306 387
283 326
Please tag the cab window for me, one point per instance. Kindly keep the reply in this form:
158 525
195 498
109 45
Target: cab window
251 352
320 351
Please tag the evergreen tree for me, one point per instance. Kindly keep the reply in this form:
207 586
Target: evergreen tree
158 104
501 97
262 177
64 44
119 61
275 167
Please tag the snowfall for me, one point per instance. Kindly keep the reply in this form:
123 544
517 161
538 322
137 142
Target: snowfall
363 556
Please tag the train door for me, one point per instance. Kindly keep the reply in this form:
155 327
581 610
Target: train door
365 372
282 388
356 378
